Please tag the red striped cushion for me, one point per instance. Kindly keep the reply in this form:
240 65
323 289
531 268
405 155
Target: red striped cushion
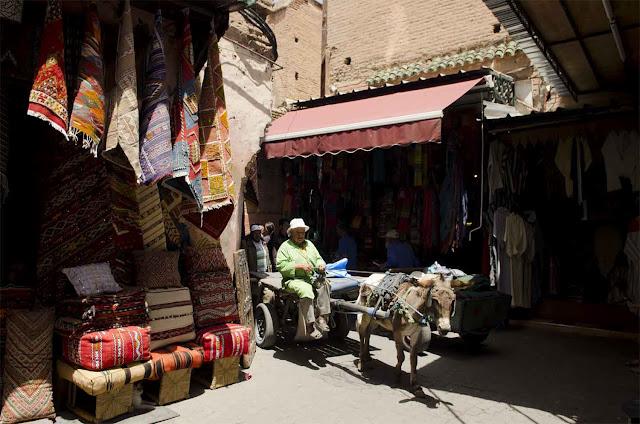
224 341
176 357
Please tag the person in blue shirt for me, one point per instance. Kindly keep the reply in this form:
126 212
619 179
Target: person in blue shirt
347 247
399 253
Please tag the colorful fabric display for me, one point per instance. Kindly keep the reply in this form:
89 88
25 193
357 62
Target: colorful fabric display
106 349
127 308
48 97
224 341
207 281
171 316
186 145
157 269
123 127
95 383
92 279
176 357
28 393
87 115
215 150
155 127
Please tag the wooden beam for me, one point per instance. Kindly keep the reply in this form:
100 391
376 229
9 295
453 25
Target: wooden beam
591 35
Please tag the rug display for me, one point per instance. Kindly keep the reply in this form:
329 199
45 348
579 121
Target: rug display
88 112
157 269
48 97
215 151
245 304
76 227
123 127
224 341
27 391
96 383
176 357
106 349
174 228
208 281
187 177
155 125
215 307
171 316
204 259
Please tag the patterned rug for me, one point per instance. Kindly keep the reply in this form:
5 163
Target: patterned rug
123 127
187 177
215 149
155 127
28 393
76 226
48 97
87 115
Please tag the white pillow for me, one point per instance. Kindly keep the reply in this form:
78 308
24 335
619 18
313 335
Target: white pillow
92 279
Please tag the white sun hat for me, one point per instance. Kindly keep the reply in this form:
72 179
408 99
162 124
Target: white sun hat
297 223
256 227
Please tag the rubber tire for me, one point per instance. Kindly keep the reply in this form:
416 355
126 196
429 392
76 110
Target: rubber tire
406 341
342 328
268 338
474 339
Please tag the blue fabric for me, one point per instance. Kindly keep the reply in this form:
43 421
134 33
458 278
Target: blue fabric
347 249
400 255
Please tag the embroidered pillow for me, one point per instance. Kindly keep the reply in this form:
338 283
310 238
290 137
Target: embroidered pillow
204 259
157 269
93 279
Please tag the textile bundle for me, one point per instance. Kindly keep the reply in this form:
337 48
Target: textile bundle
224 341
102 350
176 357
87 115
215 149
48 97
123 127
155 128
186 146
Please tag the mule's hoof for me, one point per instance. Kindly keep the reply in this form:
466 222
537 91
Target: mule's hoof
418 392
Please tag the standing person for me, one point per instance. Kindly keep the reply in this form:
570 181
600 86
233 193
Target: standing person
267 236
297 260
347 247
257 252
399 253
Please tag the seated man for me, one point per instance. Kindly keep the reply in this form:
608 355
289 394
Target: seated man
257 251
399 253
297 259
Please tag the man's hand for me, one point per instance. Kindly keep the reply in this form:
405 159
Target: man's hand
305 267
322 268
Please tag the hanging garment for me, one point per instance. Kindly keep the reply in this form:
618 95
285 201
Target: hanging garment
621 154
494 168
48 97
573 155
187 175
87 115
515 239
218 188
155 126
123 127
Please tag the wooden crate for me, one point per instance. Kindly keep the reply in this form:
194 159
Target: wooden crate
220 373
101 407
172 387
245 304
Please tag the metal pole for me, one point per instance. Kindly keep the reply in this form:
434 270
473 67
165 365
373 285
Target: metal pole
323 49
481 168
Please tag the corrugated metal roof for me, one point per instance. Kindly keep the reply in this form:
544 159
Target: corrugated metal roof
441 63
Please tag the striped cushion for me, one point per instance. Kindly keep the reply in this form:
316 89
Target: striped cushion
224 341
171 314
96 383
176 357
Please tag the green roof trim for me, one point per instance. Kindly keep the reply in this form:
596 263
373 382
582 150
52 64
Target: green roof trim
443 62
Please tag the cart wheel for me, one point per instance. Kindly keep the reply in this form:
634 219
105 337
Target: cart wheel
264 329
474 339
342 327
406 340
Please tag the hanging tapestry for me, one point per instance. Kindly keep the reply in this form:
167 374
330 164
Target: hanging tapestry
48 97
155 127
74 27
87 115
187 177
123 127
215 149
76 226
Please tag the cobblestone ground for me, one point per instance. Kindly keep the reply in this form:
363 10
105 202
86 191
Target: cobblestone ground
521 375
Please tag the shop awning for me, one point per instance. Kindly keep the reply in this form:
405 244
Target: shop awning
383 121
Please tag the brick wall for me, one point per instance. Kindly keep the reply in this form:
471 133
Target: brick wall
298 29
378 34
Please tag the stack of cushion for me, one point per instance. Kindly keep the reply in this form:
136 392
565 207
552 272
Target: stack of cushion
171 315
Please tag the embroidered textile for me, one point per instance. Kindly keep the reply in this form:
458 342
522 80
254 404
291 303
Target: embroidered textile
171 314
48 97
155 127
215 306
206 281
123 127
205 259
157 269
173 227
176 357
106 349
186 145
92 279
87 115
215 150
96 383
28 393
12 10
224 341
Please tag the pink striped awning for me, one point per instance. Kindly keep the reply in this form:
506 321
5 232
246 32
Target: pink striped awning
383 121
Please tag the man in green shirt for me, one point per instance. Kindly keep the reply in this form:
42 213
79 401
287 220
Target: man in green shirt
297 260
